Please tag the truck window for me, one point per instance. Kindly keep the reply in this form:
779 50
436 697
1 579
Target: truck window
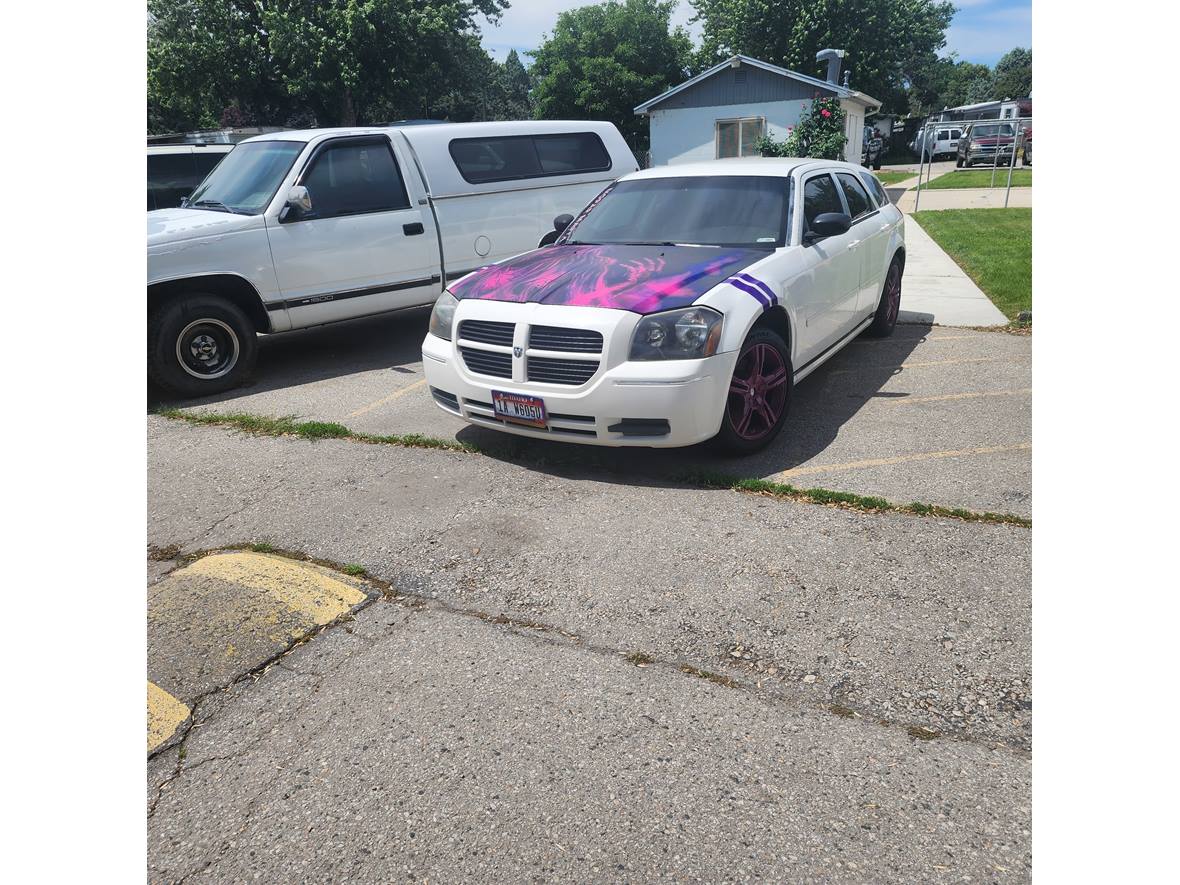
514 157
854 193
355 177
171 177
819 196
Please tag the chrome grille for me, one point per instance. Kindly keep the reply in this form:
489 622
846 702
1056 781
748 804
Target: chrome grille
555 371
558 338
486 332
487 362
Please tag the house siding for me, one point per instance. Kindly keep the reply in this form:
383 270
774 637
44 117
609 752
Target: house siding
687 135
724 88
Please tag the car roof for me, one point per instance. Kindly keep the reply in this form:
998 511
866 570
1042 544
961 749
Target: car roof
769 166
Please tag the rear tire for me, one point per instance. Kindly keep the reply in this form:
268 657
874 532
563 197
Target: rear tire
959 162
200 344
759 395
889 306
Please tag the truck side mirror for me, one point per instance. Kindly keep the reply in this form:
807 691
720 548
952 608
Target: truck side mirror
560 223
298 204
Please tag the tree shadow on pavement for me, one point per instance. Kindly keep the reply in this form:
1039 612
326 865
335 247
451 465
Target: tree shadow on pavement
822 404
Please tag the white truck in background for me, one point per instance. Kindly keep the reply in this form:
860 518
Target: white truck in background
297 229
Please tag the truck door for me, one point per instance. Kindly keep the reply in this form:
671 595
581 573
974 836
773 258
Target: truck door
366 246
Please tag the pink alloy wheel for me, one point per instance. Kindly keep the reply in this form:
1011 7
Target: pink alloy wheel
758 391
893 292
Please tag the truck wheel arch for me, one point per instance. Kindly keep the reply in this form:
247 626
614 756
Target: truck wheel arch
229 286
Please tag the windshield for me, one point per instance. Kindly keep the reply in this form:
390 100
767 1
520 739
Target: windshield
724 210
993 129
246 180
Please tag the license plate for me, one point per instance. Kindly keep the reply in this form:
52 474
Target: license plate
519 408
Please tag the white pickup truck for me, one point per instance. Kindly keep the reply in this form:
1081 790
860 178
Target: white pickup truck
297 229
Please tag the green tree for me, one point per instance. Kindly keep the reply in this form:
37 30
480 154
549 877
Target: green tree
1013 74
890 43
947 83
603 60
342 61
515 85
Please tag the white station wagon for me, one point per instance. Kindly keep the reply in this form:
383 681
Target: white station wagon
681 305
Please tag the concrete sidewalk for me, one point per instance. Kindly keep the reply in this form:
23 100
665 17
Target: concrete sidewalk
962 198
935 289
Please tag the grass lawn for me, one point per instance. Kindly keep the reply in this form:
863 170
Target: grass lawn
980 178
994 248
889 178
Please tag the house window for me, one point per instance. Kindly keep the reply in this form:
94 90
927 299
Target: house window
736 138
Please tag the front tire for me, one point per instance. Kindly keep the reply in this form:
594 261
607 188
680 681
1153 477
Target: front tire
890 304
759 394
200 344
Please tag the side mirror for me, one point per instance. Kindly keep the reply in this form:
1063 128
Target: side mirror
298 204
828 224
560 223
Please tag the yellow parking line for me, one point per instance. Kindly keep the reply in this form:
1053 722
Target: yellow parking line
301 586
902 401
373 405
898 459
165 713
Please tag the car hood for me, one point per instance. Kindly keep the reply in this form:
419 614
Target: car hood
171 225
641 279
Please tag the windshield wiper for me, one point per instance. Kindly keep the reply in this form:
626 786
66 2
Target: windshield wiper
215 205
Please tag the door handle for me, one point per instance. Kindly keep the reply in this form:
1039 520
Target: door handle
413 229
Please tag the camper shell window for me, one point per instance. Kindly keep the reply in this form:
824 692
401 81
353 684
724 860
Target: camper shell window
514 157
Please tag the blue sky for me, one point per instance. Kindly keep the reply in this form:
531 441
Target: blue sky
982 30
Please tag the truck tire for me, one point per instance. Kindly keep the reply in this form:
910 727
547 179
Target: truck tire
200 344
759 395
890 304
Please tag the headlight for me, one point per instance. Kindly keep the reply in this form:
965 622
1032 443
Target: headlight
689 334
442 318
975 145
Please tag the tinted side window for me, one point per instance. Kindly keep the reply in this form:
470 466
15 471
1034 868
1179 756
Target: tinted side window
514 157
353 178
854 193
819 196
171 177
874 188
575 152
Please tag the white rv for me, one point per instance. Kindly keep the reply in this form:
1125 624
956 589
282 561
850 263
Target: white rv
296 229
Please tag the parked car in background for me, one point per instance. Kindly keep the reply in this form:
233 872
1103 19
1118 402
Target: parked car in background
296 229
175 170
681 305
937 141
1026 157
990 143
872 149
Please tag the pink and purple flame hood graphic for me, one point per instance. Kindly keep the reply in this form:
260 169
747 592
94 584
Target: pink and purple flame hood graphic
641 279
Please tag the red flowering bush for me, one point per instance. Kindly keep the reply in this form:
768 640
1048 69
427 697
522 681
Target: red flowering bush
818 134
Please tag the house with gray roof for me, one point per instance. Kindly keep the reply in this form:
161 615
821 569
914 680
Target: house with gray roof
723 111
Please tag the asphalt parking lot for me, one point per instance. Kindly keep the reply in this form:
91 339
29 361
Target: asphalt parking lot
932 414
549 662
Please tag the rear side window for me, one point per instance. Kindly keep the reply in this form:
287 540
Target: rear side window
819 196
854 193
511 158
353 177
171 177
874 188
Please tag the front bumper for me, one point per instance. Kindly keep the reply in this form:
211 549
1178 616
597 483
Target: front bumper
626 403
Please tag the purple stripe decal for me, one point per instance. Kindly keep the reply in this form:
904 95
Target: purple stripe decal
749 290
761 285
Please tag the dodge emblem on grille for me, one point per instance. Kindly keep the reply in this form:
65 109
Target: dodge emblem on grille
516 352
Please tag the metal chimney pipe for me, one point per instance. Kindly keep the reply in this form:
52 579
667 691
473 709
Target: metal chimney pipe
834 58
